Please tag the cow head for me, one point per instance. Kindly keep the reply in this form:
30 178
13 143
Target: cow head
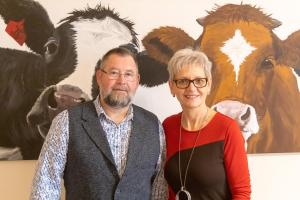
254 72
253 66
93 30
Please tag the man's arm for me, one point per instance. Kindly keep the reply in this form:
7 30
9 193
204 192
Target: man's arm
52 160
159 189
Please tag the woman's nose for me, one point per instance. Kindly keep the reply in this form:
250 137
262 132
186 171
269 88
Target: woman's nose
191 86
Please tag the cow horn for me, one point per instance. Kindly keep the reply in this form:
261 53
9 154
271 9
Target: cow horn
200 20
275 23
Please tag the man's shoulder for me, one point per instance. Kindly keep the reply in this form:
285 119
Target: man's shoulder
79 108
142 111
81 105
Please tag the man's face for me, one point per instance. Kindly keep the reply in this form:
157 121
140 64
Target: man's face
118 80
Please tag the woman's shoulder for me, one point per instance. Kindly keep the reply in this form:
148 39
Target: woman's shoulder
224 118
223 121
171 121
172 118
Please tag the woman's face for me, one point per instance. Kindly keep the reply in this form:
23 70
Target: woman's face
191 96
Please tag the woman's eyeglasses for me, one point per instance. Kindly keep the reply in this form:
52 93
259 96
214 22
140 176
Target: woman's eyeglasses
185 83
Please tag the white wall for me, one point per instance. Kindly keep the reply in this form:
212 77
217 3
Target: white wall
274 176
16 178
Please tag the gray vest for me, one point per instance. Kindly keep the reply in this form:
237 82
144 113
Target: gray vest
90 171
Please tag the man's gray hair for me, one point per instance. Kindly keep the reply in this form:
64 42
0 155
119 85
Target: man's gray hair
121 51
188 56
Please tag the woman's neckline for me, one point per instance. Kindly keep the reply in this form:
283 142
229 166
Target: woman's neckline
212 118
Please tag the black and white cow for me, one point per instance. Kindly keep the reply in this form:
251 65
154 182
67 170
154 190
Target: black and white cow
63 55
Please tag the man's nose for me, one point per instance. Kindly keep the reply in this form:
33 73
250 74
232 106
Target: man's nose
121 78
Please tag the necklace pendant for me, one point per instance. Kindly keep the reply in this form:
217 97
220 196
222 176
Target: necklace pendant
183 194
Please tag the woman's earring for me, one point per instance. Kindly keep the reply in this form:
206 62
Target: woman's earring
173 95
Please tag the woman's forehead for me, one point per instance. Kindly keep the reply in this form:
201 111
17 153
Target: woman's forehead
194 69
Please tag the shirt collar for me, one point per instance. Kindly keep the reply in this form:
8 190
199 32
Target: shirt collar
101 112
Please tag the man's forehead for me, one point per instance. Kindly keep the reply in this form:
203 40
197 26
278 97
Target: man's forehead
126 62
117 55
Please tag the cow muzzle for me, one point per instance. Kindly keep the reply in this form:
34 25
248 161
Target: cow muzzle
244 114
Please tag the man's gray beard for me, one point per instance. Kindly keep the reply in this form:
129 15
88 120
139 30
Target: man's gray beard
116 102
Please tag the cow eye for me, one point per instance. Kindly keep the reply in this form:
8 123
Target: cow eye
267 63
52 47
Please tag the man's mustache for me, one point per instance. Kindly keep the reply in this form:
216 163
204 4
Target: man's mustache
120 88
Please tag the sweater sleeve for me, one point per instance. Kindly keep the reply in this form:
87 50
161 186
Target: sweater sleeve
236 163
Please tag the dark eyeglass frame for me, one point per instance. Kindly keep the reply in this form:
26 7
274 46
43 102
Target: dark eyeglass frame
190 81
127 78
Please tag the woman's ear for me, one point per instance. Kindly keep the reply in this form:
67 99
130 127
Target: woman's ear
209 86
171 85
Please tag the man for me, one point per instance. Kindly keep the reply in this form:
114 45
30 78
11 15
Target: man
108 148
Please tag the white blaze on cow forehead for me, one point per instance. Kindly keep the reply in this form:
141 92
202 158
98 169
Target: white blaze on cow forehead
237 49
297 78
93 38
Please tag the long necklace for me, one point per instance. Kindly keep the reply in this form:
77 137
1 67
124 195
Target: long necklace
183 193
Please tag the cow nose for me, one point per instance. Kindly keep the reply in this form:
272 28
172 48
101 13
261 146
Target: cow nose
244 114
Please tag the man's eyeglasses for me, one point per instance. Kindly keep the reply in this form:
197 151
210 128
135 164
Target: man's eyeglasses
185 83
115 74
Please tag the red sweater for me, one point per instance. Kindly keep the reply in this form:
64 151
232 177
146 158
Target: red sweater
218 169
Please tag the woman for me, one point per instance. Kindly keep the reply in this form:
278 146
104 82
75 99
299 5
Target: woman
206 158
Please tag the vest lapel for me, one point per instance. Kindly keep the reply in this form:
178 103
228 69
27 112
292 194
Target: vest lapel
135 143
91 124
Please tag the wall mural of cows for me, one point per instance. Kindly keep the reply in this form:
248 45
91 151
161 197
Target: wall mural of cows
254 74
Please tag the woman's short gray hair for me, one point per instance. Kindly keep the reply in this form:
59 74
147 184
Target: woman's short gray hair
186 57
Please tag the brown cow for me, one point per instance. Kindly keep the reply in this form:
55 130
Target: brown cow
252 66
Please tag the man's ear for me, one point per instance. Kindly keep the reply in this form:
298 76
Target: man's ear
139 78
98 76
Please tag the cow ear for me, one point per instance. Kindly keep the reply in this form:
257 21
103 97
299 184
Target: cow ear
163 42
200 21
290 51
152 72
275 23
37 25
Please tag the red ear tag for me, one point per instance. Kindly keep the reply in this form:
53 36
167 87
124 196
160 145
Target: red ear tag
16 30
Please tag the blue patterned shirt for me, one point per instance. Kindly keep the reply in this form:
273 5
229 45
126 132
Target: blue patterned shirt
53 156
